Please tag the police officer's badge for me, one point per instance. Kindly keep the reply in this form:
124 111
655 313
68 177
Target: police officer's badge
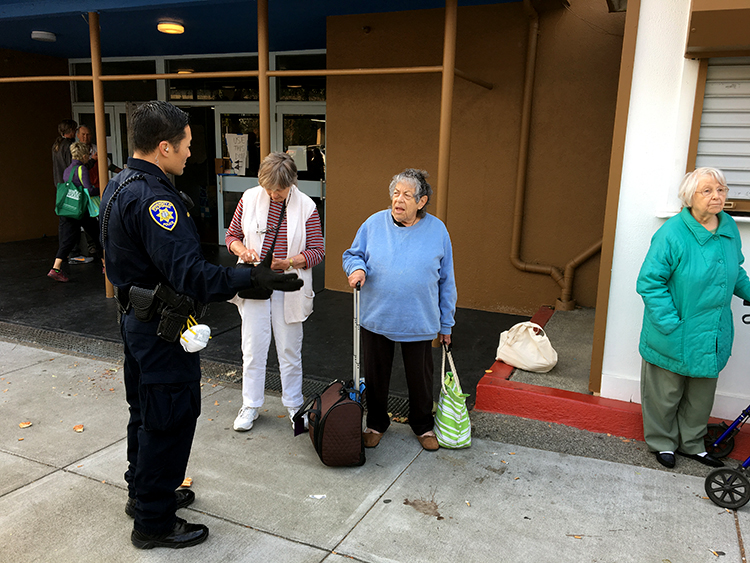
164 213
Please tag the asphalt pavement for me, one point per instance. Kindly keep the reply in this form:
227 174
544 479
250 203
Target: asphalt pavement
524 491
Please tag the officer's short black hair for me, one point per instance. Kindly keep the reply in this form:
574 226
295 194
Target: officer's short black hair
154 122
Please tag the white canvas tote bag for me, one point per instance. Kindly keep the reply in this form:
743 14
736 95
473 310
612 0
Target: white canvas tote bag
526 346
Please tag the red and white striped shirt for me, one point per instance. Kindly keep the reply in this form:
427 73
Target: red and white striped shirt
314 246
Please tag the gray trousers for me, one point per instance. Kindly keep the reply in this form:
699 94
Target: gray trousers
675 409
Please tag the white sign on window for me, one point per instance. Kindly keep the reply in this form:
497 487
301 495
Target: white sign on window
299 154
237 148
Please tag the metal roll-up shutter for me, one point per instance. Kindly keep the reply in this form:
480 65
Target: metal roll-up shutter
724 139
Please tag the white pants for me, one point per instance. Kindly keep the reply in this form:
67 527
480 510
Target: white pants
259 318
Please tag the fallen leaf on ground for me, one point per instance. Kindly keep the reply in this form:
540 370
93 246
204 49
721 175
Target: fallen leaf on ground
188 482
78 428
216 403
24 424
280 415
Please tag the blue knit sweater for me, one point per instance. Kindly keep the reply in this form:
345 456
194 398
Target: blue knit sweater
409 293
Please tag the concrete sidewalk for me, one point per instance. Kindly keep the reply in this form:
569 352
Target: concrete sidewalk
267 498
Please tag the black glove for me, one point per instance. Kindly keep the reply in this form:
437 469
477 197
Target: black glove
265 277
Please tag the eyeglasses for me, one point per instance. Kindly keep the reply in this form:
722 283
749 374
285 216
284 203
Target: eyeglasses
721 191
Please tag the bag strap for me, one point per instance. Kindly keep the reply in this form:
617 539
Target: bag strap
447 352
278 227
70 178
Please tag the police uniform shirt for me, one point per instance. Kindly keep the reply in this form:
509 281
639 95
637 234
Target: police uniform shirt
152 239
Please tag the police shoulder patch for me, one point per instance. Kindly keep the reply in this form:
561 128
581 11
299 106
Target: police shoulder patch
164 213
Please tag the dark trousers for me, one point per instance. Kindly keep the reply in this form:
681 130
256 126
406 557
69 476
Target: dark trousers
69 232
162 388
377 361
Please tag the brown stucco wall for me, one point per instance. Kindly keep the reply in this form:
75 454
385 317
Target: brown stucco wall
31 112
379 125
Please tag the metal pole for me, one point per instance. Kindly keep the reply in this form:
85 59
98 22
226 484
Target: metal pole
263 85
99 116
446 108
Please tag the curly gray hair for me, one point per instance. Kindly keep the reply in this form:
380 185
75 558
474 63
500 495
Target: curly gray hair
418 180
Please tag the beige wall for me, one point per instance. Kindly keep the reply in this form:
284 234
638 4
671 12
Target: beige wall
379 125
31 112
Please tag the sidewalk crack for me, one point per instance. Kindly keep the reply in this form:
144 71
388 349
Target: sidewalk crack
739 537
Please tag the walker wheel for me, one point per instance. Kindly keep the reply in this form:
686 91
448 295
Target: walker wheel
729 488
714 433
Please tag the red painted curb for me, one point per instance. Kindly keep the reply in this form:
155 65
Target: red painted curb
495 393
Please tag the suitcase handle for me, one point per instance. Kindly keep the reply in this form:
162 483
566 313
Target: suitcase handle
356 366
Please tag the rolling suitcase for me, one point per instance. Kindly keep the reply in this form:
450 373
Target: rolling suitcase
335 415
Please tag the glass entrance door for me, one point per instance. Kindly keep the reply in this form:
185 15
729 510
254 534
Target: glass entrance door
303 135
86 117
239 146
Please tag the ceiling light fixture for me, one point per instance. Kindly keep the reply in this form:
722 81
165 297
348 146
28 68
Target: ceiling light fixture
173 28
185 71
46 36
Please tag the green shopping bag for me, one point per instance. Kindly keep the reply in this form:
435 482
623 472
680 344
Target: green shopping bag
71 199
452 423
92 201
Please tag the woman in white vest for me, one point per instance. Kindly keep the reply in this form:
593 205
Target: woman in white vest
275 214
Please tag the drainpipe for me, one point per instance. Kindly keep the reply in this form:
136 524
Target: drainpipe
565 281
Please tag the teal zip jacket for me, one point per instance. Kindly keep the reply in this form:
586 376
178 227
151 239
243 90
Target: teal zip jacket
687 281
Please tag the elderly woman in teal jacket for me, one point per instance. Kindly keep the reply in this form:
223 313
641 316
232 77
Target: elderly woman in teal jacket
691 271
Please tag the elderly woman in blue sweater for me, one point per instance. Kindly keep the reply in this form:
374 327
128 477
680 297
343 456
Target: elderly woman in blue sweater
691 271
403 259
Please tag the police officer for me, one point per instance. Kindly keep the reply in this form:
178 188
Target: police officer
151 243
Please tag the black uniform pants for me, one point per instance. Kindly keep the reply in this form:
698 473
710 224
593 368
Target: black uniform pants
377 362
162 387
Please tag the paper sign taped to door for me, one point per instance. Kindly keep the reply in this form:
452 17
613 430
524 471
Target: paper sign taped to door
237 147
299 154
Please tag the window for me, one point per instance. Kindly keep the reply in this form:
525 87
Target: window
724 138
125 91
213 89
302 88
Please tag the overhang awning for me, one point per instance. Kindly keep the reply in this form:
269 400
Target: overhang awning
718 28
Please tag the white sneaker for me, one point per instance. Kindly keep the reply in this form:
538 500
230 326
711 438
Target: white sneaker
292 411
245 418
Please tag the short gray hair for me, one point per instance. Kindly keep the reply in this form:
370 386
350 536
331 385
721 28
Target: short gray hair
691 180
417 179
277 171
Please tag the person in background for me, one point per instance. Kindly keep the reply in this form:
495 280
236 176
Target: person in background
83 134
278 210
61 158
61 149
403 259
691 271
153 251
70 229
